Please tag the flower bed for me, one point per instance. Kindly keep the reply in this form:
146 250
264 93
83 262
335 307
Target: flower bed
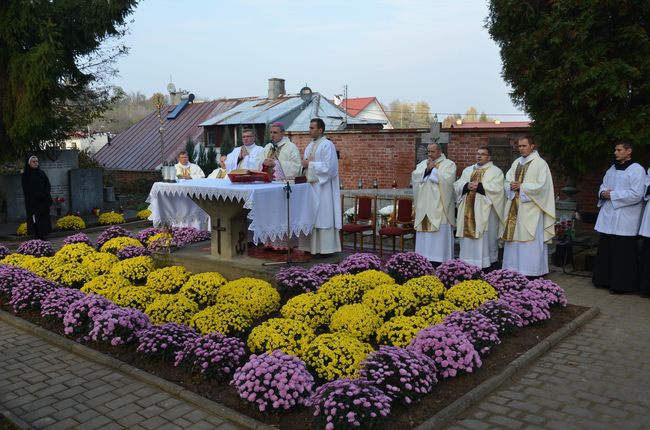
366 329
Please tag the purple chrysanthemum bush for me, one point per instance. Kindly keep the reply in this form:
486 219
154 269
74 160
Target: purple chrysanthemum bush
504 316
4 251
144 234
531 305
452 272
130 251
79 319
58 301
30 295
349 403
118 326
36 247
360 262
214 355
552 292
297 280
403 375
505 280
111 233
183 236
478 328
449 348
274 381
77 238
408 265
325 271
164 341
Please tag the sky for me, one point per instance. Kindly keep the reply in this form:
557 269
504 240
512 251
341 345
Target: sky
436 51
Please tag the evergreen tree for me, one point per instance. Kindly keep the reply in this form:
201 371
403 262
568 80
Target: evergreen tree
202 159
226 144
581 70
54 59
211 160
267 134
189 148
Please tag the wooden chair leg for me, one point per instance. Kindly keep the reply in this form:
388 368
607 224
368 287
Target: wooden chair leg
374 241
361 240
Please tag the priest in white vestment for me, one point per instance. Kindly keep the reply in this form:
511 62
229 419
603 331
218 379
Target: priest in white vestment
280 155
185 169
480 199
529 212
433 194
644 232
245 156
620 199
321 167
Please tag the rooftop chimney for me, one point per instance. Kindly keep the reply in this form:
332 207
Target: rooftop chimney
276 88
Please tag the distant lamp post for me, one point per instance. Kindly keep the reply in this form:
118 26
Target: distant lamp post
360 184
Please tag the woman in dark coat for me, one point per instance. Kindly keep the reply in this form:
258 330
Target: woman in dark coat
36 188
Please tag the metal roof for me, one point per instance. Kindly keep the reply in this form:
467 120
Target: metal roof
138 148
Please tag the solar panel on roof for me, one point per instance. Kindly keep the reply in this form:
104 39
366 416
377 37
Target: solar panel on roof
178 109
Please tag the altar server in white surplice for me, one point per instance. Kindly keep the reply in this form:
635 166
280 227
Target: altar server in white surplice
644 231
245 156
185 169
620 199
321 167
281 155
433 193
529 212
480 198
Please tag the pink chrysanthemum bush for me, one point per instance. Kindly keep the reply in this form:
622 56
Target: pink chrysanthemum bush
553 293
479 329
164 341
12 276
79 319
111 233
325 271
408 265
360 262
4 251
505 280
37 248
118 326
530 305
30 295
296 280
449 348
214 355
274 381
130 251
144 234
502 315
452 272
57 302
403 375
349 404
185 235
77 238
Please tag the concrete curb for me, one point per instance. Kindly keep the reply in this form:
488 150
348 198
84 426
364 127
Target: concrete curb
472 397
175 390
56 234
17 422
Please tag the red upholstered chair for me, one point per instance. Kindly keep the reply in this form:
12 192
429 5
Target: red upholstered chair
401 223
364 219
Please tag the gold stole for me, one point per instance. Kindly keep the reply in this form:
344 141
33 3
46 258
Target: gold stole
185 171
469 218
425 225
511 222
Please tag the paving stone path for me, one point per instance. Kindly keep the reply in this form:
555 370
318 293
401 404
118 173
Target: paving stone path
598 378
48 387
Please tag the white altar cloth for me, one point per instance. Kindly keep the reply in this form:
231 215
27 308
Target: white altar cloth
172 204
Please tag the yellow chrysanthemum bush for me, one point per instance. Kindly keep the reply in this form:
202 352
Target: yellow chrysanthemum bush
469 295
110 218
435 313
22 229
288 335
144 214
203 287
343 290
160 239
225 318
171 308
106 285
99 263
357 320
426 289
42 266
71 275
74 253
135 269
373 278
313 309
390 300
333 356
255 296
117 243
17 259
400 330
70 222
137 297
168 279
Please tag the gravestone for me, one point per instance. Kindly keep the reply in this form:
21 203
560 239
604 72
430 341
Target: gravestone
503 152
56 166
434 136
86 189
12 200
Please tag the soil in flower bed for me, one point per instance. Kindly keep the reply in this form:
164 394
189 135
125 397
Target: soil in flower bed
404 417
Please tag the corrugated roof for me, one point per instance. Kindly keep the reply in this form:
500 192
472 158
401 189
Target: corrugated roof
138 148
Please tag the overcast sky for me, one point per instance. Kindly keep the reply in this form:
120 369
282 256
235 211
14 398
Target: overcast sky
436 51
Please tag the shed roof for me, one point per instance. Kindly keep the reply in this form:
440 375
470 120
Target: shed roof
356 105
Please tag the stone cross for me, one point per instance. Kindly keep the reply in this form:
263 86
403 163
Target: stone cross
218 229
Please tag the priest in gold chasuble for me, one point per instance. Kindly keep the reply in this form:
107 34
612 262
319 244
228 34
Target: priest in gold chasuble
433 194
529 212
481 199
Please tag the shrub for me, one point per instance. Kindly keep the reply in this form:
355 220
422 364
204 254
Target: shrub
118 326
531 305
110 233
77 238
171 308
469 295
117 243
426 289
255 296
373 278
73 253
42 266
71 275
164 341
333 356
325 271
358 320
436 312
296 280
203 287
135 269
225 318
99 263
168 279
111 218
36 247
360 262
552 292
390 300
479 329
30 295
4 251
12 276
56 302
403 375
79 318
408 265
214 355
144 214
159 240
22 229
342 290
505 280
275 381
290 336
183 236
134 297
451 272
400 330
144 234
70 222
16 259
130 251
502 315
313 309
105 285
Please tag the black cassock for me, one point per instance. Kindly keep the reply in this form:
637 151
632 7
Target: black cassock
36 189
